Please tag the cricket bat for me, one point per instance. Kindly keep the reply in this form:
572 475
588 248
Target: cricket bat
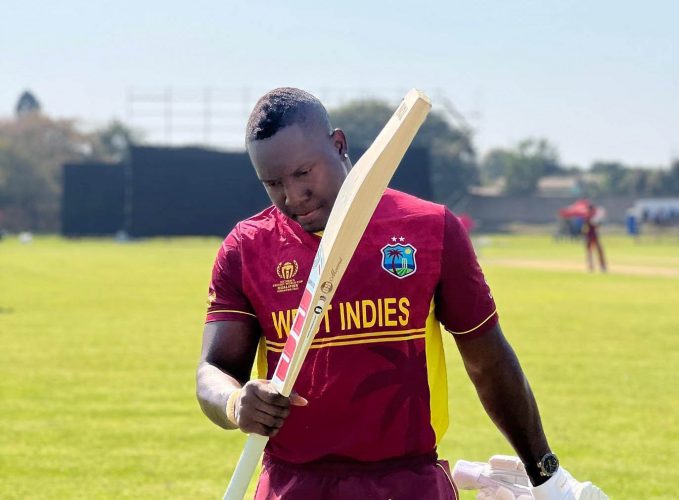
355 204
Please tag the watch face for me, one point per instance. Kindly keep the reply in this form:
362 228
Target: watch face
550 464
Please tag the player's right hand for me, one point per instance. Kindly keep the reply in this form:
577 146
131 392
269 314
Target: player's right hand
261 409
562 486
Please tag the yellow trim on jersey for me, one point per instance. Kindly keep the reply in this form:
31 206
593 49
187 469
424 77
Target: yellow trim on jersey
352 336
262 364
355 342
231 311
437 376
476 327
369 334
363 338
369 341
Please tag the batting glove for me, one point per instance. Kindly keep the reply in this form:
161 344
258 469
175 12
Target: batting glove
502 478
562 486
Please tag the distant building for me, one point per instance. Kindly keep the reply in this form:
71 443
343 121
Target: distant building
495 189
549 186
552 185
27 104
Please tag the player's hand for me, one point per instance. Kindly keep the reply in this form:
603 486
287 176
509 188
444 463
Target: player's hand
562 486
502 478
261 409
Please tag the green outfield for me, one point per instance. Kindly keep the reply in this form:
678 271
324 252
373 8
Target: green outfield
99 342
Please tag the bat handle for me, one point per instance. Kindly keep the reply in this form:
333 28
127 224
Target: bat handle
245 468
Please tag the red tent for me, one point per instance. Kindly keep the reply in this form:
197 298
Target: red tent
580 208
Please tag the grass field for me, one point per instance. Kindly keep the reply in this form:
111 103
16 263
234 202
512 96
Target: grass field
99 343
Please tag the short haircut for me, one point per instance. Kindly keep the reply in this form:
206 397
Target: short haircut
282 107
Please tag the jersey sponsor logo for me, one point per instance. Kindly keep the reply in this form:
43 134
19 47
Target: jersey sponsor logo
398 259
287 271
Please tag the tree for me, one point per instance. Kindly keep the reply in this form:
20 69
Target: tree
671 181
494 165
523 166
522 177
25 194
32 152
27 105
114 140
613 176
636 182
451 154
33 149
618 179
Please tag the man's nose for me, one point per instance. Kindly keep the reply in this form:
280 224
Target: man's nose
296 194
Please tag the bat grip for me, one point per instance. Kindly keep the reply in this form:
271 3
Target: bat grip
245 468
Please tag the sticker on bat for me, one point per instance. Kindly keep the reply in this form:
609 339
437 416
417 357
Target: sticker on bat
319 306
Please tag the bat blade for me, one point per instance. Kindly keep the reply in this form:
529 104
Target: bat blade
356 201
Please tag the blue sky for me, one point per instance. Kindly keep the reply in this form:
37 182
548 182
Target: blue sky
600 79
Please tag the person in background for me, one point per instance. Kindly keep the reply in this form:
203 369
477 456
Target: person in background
592 241
632 224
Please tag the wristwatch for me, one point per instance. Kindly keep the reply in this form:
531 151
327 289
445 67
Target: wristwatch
548 465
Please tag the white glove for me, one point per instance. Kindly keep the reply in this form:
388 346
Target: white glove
562 486
502 478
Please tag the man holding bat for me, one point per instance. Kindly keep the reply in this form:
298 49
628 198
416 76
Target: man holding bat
371 398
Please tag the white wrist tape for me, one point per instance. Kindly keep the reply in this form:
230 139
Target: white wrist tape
231 410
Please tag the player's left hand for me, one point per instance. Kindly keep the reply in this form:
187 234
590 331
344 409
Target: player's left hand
562 486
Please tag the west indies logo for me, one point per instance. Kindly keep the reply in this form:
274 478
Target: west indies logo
398 258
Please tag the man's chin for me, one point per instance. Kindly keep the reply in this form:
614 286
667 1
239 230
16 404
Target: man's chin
314 223
312 227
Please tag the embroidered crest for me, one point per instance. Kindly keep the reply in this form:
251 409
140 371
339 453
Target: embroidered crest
286 271
399 259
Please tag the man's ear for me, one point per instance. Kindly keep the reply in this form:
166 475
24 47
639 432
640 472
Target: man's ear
339 142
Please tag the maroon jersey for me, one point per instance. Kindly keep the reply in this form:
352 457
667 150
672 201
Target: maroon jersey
590 229
375 373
